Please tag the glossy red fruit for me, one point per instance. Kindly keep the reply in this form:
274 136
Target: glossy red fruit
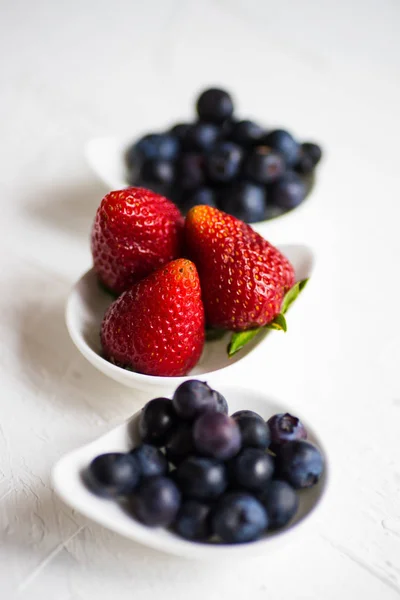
134 233
157 326
243 277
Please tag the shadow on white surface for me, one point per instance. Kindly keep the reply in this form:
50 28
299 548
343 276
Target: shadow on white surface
54 537
68 206
59 374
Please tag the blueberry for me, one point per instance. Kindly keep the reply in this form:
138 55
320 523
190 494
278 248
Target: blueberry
214 105
190 171
156 502
252 469
180 130
246 133
300 463
156 421
179 444
239 518
113 474
151 146
201 478
255 432
227 128
244 200
151 460
281 503
286 428
284 143
192 398
263 165
216 434
241 414
222 404
202 195
313 151
309 157
304 164
192 522
200 137
223 162
156 174
288 192
175 194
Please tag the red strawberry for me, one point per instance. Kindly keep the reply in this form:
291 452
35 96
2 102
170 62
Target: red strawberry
243 277
134 233
157 326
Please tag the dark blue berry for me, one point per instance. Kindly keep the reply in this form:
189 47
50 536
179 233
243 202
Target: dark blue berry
284 143
227 128
304 165
201 478
156 420
190 173
216 434
241 414
281 503
252 469
246 133
203 195
175 194
193 522
179 444
300 463
239 518
313 151
288 192
222 404
264 165
214 105
151 460
244 200
255 432
180 130
156 502
192 398
223 162
113 474
286 428
309 156
200 137
152 146
156 174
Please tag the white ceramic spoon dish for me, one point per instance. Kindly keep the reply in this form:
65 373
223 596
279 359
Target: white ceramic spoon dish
87 303
67 480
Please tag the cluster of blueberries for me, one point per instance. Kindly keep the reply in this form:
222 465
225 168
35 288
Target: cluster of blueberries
206 475
234 165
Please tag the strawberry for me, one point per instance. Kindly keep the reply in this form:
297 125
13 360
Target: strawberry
134 233
243 277
157 326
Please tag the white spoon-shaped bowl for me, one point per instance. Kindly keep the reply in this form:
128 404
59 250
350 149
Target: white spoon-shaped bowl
87 303
68 483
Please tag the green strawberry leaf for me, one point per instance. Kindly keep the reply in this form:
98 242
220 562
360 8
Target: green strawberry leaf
292 294
240 339
214 334
279 323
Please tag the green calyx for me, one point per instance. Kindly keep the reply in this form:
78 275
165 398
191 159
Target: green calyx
241 338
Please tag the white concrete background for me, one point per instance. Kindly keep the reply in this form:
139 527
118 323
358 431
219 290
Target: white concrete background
328 70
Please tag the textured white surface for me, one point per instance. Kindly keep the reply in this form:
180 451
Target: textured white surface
71 71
